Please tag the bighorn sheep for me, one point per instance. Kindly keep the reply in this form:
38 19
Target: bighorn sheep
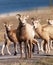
50 22
49 29
26 35
11 34
42 33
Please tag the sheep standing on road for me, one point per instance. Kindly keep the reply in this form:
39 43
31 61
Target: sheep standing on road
26 35
11 35
44 35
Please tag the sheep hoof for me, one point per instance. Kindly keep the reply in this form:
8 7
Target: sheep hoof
2 54
38 52
9 53
15 53
33 51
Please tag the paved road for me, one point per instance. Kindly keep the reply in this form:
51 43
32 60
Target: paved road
7 56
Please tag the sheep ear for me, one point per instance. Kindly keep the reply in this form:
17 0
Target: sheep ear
47 20
27 16
39 20
5 23
11 25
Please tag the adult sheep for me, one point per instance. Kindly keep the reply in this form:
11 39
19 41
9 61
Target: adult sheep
44 35
26 35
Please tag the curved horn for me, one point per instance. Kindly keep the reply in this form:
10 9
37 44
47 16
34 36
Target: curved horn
10 25
18 15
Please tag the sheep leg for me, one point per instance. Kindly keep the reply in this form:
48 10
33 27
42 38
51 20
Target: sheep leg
20 49
51 44
37 43
42 46
7 42
15 49
48 46
45 46
7 46
30 49
4 45
25 49
8 49
33 48
38 47
20 43
2 51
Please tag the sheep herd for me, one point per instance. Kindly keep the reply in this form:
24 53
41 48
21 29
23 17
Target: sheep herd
28 34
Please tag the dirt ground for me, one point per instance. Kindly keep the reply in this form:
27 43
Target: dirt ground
37 59
33 61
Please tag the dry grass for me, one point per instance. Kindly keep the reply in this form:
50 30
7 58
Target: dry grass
36 61
43 13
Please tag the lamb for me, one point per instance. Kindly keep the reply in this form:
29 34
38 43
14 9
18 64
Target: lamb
26 35
11 34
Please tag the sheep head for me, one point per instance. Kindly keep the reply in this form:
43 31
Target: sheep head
7 26
35 23
24 19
